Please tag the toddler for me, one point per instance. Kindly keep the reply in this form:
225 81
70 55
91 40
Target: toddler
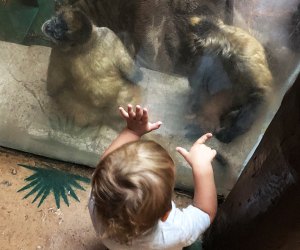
131 203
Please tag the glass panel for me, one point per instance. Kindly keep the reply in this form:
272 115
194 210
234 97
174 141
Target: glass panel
194 69
15 20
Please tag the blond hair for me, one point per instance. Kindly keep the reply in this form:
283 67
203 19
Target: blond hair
132 189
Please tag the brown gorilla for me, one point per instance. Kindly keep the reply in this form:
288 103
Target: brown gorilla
90 70
227 68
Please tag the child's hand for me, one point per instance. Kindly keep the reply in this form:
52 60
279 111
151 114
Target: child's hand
138 121
200 156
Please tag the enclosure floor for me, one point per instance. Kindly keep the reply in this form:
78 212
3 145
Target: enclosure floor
24 225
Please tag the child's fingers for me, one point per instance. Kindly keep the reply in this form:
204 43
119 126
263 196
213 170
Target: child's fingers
145 115
138 112
183 152
214 153
123 113
155 125
130 111
203 138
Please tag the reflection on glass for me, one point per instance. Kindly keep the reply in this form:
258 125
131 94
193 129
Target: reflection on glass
218 66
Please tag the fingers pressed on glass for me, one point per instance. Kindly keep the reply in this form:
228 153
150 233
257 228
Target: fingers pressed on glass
204 138
123 113
155 125
131 112
145 115
139 112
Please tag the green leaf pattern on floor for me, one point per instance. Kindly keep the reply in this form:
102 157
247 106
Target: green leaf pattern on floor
45 180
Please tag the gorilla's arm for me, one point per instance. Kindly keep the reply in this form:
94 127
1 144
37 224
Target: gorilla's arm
56 78
127 66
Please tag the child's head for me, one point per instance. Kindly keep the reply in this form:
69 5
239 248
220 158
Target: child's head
132 188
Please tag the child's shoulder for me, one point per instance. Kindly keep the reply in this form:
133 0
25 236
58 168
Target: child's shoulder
183 226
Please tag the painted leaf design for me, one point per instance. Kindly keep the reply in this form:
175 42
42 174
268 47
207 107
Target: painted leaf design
46 180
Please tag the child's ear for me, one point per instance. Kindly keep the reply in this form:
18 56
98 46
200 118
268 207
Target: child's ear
166 215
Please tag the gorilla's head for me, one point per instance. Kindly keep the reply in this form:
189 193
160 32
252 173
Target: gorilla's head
68 28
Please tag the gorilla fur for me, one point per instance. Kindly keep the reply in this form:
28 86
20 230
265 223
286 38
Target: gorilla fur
159 31
148 28
90 70
227 68
230 77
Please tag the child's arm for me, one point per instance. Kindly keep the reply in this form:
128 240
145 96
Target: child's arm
137 125
200 157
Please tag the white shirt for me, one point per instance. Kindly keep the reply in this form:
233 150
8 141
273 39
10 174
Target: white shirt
182 228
